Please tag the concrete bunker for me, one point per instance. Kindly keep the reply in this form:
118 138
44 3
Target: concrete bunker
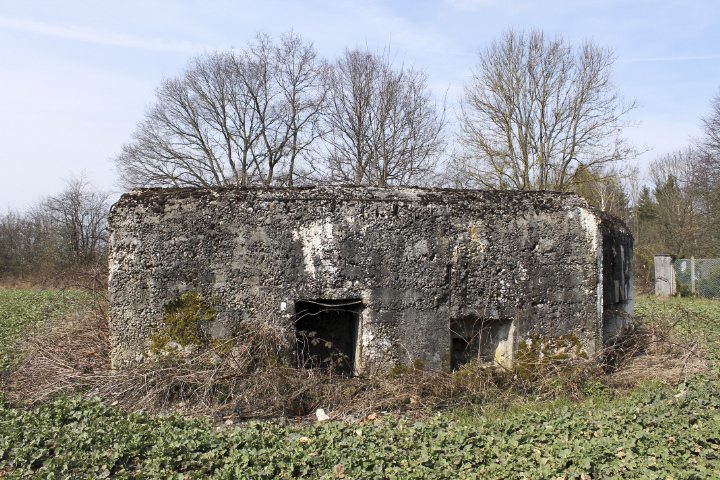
388 276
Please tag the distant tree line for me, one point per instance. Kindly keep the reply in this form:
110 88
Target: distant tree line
679 212
62 233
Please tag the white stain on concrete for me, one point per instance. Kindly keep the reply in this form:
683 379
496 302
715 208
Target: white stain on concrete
505 350
317 243
590 223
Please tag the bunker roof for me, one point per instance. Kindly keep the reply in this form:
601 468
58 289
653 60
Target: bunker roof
155 199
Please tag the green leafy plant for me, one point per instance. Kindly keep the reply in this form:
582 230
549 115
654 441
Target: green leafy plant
596 390
683 290
656 432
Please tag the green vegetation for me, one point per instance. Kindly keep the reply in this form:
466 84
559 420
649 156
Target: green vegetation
693 320
654 431
184 318
648 434
400 370
21 309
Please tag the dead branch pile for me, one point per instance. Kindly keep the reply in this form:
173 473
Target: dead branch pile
249 379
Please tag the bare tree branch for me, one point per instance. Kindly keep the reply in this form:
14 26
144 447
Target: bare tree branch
232 118
537 110
383 124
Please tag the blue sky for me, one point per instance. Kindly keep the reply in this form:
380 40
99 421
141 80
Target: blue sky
76 76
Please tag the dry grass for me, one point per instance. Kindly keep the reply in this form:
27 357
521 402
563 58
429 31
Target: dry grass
69 356
92 277
249 381
652 353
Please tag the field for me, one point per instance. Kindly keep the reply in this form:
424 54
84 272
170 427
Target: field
655 430
22 309
692 320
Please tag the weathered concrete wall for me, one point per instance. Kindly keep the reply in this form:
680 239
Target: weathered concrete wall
418 260
617 273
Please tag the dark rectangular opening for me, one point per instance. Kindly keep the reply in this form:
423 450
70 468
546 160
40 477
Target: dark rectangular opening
476 339
327 333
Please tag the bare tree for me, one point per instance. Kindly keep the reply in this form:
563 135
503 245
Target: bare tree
23 243
710 125
384 127
65 230
78 216
537 110
232 118
302 78
674 225
705 175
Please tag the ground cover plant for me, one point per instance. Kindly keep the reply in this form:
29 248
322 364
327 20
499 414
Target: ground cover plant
475 424
651 433
20 309
694 321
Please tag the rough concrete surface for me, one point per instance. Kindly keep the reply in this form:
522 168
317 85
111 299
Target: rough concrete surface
393 275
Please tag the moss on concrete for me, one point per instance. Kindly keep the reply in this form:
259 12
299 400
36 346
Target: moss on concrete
533 356
185 318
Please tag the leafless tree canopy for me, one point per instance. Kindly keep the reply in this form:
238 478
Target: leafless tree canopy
79 213
705 178
537 110
677 227
710 124
253 117
232 118
384 127
63 231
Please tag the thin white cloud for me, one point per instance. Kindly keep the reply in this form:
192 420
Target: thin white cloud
671 59
402 36
91 35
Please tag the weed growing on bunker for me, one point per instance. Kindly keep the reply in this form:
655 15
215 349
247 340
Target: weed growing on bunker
416 369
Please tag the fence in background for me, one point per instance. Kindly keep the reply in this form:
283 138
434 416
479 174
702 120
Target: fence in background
687 276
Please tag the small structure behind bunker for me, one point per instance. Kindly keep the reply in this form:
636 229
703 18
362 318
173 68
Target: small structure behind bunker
371 278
